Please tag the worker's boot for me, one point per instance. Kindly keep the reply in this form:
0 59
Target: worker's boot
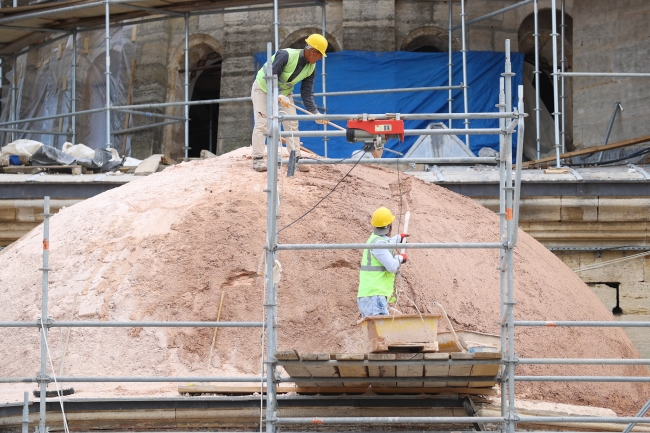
259 164
301 167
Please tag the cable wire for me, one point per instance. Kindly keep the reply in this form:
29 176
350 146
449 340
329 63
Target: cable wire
56 384
321 200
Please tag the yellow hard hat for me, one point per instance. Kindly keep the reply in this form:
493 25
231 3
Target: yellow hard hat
318 42
382 217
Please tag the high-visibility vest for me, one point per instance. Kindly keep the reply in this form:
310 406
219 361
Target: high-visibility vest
285 86
374 279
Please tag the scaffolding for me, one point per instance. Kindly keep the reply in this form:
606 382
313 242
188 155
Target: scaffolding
510 119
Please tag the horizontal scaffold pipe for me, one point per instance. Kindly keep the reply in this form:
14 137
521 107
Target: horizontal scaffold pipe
392 362
475 131
174 104
56 116
33 131
392 420
492 14
288 247
582 379
392 379
379 91
605 74
467 160
596 324
594 361
149 114
404 116
588 419
144 379
88 324
144 127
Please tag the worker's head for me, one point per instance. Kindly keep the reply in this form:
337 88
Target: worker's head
382 221
315 48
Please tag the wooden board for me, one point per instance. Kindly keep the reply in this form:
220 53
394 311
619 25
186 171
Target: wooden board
248 390
293 370
318 371
148 166
460 370
409 370
382 370
436 370
485 369
352 371
29 169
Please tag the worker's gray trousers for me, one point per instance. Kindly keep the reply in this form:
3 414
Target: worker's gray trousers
259 130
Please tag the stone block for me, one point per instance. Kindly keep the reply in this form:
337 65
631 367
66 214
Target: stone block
540 209
8 214
629 271
635 297
606 294
25 215
623 209
579 209
638 336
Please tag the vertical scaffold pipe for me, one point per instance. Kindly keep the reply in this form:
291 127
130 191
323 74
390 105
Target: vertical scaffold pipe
187 85
73 87
450 63
276 29
563 68
463 16
324 79
107 38
503 281
519 161
12 107
556 109
25 420
43 379
537 73
273 137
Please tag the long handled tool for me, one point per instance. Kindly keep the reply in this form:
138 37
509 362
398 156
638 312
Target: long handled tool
307 112
214 336
407 217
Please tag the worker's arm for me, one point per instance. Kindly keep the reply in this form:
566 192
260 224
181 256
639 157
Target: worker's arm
307 93
280 62
385 257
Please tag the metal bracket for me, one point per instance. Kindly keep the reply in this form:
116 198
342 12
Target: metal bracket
640 170
438 173
43 379
575 173
47 323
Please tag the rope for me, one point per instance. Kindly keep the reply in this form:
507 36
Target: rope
56 384
610 262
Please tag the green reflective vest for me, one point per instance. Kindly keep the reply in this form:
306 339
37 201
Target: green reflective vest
286 87
374 279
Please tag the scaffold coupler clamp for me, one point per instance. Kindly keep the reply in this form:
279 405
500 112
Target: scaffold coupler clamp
44 323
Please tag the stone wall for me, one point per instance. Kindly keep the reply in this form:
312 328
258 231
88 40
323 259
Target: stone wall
608 38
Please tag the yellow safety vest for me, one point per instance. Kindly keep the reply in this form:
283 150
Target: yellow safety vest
374 279
286 87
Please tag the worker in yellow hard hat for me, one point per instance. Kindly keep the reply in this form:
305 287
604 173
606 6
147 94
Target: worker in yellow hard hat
379 266
291 66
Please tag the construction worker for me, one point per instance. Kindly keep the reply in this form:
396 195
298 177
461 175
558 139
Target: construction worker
291 66
379 266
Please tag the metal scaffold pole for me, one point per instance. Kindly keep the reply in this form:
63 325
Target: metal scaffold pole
555 75
276 28
502 235
450 64
107 4
273 138
563 86
463 16
12 108
186 85
324 79
537 73
73 88
42 377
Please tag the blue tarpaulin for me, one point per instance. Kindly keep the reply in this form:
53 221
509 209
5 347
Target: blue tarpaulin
363 70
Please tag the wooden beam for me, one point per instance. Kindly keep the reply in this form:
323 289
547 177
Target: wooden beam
589 150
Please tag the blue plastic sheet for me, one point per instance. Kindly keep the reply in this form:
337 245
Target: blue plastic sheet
363 70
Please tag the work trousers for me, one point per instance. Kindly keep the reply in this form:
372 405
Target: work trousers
259 130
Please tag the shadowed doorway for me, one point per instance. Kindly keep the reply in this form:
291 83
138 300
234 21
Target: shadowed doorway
204 119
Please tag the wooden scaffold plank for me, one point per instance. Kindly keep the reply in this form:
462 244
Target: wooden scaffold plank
382 370
409 370
436 370
317 371
485 369
353 371
293 370
460 369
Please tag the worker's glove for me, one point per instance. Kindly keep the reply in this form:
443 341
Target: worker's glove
392 300
402 258
284 101
403 236
321 122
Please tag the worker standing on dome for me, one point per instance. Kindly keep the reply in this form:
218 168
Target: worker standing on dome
379 266
291 66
